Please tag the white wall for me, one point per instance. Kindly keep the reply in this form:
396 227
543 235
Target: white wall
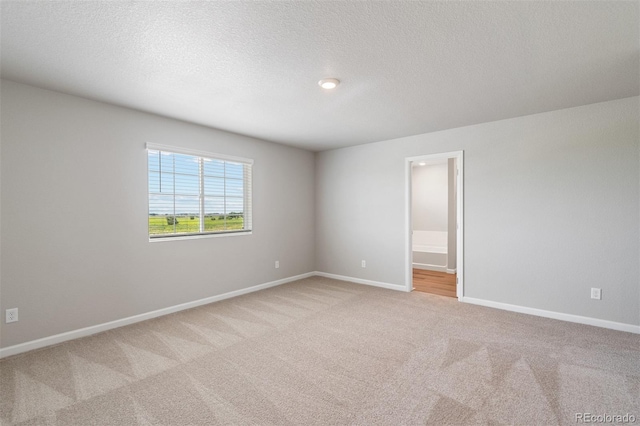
551 209
75 249
429 200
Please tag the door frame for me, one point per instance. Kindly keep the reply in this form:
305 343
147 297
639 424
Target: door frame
459 156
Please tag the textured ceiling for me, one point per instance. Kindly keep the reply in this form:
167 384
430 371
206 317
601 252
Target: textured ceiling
252 67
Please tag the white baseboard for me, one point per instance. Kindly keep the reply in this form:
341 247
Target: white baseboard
430 267
362 281
87 331
554 315
451 271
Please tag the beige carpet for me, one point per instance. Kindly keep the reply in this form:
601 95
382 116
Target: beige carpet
320 351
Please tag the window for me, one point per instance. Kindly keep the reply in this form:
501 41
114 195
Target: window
192 193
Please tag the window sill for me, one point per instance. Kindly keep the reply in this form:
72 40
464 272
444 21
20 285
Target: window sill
199 236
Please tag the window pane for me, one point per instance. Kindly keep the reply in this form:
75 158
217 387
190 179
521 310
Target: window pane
187 214
223 214
187 224
214 214
160 183
234 205
213 186
234 188
214 205
158 224
160 207
235 223
154 182
154 160
213 167
187 184
160 204
233 170
187 164
166 183
166 162
235 213
187 205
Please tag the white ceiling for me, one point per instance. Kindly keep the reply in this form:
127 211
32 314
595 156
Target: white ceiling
252 67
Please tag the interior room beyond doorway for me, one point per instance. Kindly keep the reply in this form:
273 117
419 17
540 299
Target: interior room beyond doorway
434 230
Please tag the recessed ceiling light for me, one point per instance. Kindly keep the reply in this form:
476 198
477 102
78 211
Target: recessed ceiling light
422 163
329 83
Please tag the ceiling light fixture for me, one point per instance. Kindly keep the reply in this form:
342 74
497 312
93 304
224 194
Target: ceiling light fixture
329 83
422 163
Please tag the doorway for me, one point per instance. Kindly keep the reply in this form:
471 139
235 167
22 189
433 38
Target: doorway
434 228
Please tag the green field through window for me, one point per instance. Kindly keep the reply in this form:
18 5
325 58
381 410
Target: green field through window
191 224
190 194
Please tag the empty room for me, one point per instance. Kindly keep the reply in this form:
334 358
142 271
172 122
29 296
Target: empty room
319 212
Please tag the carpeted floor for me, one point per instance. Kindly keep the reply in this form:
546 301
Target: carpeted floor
320 351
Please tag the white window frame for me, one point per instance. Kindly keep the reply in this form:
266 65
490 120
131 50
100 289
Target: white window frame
248 189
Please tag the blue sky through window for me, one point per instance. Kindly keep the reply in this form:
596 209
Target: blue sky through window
174 185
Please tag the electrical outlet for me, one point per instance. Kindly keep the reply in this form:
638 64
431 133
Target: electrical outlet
596 293
364 263
11 315
277 264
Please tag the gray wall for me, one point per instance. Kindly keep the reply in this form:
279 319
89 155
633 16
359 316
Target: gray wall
551 209
75 249
429 197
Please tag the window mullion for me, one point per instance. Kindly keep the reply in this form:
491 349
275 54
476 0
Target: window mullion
201 168
224 192
173 175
